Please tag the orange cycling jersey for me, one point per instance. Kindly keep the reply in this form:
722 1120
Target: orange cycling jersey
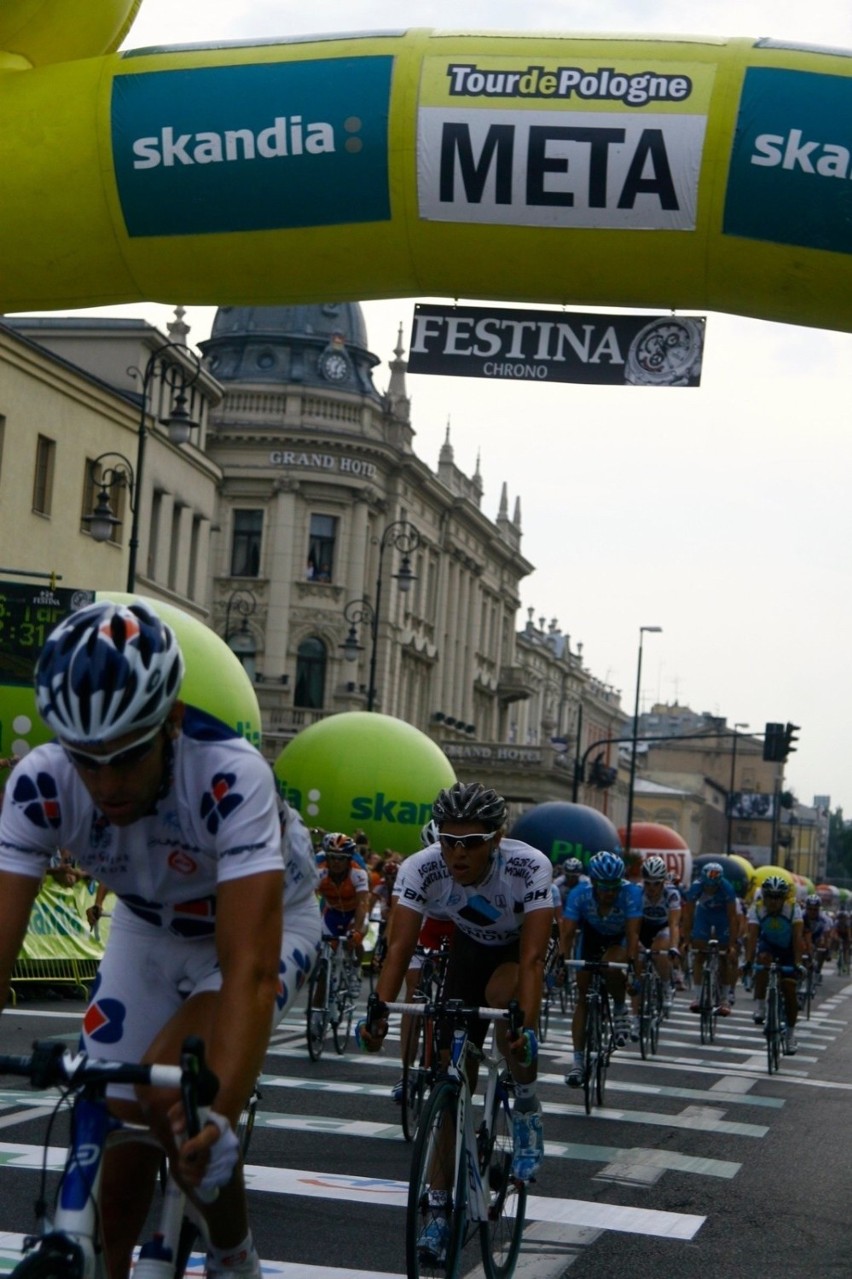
341 894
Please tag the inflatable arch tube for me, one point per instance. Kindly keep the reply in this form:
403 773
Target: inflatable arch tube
679 172
42 31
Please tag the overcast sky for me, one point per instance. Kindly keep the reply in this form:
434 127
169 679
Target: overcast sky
720 514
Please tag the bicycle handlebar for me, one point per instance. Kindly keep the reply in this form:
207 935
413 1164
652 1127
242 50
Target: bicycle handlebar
52 1065
452 1009
596 963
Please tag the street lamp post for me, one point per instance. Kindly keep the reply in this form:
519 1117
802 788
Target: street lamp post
245 603
731 788
643 630
179 378
405 538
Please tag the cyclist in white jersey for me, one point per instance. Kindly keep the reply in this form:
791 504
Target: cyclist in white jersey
179 816
497 891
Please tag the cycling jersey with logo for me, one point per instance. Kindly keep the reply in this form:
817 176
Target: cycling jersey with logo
341 894
775 930
490 912
658 912
218 820
582 906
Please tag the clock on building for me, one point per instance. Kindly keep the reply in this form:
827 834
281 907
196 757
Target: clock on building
334 365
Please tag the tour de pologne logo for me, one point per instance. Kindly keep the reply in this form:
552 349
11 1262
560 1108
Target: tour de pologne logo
220 801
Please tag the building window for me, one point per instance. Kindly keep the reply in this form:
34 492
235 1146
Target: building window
310 674
176 551
245 548
154 532
321 548
192 573
2 440
43 482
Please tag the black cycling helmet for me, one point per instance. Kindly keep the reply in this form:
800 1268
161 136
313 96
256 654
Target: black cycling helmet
470 802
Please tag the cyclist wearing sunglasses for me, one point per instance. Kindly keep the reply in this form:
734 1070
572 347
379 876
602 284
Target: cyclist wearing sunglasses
775 932
606 912
710 911
497 891
179 816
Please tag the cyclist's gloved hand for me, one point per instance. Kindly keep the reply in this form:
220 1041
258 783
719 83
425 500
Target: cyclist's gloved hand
208 1160
525 1047
371 1030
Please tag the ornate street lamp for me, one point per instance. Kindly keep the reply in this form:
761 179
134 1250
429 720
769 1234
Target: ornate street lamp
643 630
179 369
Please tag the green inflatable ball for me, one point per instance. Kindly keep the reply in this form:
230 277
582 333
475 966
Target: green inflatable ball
215 682
362 771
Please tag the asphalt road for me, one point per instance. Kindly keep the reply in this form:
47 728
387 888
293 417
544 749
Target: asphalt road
698 1165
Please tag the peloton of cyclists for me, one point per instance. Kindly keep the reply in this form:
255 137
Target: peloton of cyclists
606 912
710 911
775 933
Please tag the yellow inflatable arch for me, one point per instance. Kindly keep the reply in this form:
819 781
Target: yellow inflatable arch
671 172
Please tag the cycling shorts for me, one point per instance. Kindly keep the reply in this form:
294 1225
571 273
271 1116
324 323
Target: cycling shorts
432 934
766 952
146 976
336 923
649 932
469 970
594 944
704 927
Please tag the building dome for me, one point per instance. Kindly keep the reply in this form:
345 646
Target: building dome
320 346
287 322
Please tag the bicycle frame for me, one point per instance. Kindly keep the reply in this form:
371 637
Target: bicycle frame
74 1234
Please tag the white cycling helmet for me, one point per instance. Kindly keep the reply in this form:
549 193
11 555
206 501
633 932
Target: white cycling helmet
107 670
654 868
430 833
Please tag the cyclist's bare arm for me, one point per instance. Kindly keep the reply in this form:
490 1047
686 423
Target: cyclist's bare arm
401 943
17 894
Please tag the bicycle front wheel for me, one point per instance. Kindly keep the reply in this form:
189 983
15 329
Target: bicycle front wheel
342 1011
318 1017
773 1034
706 1004
500 1236
436 1216
646 1016
657 1013
414 1075
591 1053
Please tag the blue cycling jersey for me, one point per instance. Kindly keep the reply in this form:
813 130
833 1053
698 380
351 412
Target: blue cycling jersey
775 930
714 901
581 905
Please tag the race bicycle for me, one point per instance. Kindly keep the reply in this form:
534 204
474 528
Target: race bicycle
458 1170
333 990
650 1005
70 1246
710 994
599 1035
421 1060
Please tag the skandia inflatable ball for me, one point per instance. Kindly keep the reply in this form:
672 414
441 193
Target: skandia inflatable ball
652 837
559 830
363 771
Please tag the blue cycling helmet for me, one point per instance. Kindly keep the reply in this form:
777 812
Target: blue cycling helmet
606 866
107 670
712 873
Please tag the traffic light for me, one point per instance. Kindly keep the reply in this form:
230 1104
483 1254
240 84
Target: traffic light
773 743
790 736
778 741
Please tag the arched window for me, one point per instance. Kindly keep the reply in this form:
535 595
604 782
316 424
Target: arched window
310 674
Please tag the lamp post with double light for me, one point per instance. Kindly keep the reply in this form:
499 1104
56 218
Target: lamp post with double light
404 537
643 631
179 369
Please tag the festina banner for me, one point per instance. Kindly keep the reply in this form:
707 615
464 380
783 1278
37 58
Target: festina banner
557 346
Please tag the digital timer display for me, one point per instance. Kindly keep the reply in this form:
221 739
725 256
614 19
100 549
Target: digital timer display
27 616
